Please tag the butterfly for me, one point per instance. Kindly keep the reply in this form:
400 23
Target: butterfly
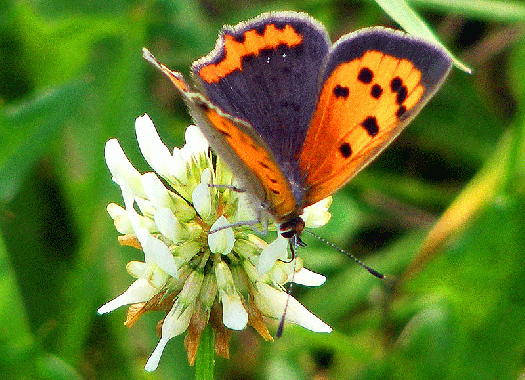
296 117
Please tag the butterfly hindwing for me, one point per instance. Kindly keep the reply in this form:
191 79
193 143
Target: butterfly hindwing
247 154
239 145
374 82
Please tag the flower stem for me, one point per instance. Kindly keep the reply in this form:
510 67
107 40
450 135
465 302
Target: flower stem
205 355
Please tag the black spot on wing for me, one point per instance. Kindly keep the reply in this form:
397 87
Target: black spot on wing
401 91
431 61
376 91
345 149
395 84
240 38
401 111
370 126
365 75
402 94
260 28
264 165
341 92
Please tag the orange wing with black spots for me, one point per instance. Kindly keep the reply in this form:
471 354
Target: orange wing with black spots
374 83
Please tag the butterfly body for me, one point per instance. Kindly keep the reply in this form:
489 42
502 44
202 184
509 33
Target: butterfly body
296 117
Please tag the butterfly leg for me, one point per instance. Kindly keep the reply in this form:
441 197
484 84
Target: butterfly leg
237 224
229 187
250 223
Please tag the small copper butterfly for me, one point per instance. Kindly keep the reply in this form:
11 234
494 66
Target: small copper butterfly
296 117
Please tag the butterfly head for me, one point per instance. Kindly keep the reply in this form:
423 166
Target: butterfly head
291 230
292 227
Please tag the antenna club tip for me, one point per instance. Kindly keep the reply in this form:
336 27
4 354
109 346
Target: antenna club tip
377 274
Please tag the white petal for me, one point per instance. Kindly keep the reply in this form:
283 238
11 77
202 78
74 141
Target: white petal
196 143
173 325
129 202
308 278
154 359
137 221
120 218
139 269
153 149
114 210
201 195
156 252
150 272
127 194
146 207
274 251
139 291
168 225
317 215
156 191
272 303
178 166
221 241
120 167
234 315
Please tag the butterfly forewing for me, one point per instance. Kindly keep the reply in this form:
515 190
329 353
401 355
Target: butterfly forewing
375 82
266 71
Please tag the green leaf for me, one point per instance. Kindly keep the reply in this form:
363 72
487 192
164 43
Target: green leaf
504 11
412 23
205 360
27 130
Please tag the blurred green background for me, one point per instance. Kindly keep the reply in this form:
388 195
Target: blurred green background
442 211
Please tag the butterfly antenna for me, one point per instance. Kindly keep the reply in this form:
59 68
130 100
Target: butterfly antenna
293 244
283 317
370 270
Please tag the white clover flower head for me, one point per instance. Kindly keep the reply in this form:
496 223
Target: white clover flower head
229 278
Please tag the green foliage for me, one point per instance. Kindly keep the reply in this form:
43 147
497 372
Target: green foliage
441 212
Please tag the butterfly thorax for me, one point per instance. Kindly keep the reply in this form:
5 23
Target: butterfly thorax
292 224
